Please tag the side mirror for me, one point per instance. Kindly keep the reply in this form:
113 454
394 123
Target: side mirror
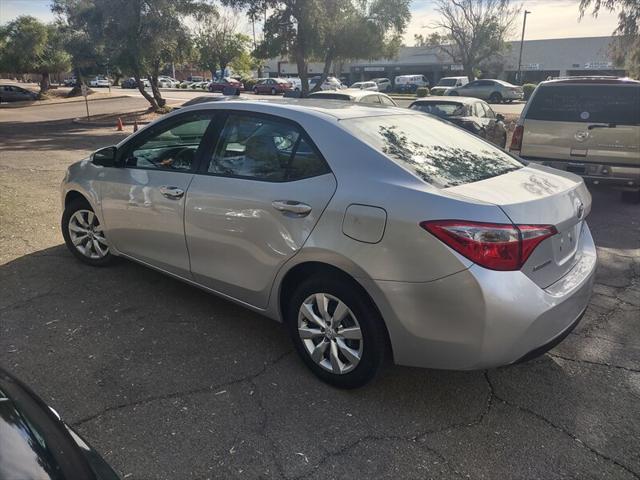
105 157
500 117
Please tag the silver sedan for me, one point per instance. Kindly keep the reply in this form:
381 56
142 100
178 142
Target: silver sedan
369 231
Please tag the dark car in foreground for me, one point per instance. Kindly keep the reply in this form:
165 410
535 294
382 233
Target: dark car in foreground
471 114
13 93
35 444
225 84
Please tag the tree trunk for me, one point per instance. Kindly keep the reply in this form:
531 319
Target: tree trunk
45 83
149 98
468 71
154 85
328 61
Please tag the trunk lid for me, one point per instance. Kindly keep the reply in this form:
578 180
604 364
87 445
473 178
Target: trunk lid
538 195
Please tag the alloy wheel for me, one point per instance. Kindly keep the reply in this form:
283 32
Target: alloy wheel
87 236
330 333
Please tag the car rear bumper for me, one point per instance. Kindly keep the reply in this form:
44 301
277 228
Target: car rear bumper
627 176
513 95
480 318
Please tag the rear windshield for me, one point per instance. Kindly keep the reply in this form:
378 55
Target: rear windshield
442 109
330 96
439 153
618 104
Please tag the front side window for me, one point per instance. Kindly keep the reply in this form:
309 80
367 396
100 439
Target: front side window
260 148
619 104
435 151
386 101
169 146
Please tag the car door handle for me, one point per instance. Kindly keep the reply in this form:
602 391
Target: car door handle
173 193
291 206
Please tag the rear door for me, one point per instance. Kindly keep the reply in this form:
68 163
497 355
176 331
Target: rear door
143 200
583 123
251 207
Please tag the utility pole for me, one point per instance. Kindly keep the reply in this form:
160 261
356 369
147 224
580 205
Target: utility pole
524 25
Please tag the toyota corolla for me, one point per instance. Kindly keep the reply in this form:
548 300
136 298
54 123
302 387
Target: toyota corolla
369 231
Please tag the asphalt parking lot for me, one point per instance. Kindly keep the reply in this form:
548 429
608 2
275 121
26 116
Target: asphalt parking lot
168 382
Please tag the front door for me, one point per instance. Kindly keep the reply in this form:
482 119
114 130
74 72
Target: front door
253 204
143 199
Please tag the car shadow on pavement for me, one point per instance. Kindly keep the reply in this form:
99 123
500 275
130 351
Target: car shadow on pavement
56 135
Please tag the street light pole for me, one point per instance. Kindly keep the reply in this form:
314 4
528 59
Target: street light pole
524 25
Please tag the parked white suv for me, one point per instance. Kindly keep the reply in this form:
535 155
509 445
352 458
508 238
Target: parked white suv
585 125
447 83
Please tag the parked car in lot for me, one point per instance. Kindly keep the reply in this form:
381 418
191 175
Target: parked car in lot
494 91
204 85
372 86
384 84
100 81
410 83
366 230
469 113
589 126
331 83
37 444
167 82
131 83
225 83
356 96
447 83
13 93
69 82
272 86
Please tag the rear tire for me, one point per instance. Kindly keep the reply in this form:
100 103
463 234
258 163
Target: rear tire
631 196
83 234
349 351
495 97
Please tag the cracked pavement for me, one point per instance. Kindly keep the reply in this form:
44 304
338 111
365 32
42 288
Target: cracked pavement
169 382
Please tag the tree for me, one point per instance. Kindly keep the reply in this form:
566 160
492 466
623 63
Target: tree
420 41
327 30
30 46
219 43
472 31
137 36
626 47
359 29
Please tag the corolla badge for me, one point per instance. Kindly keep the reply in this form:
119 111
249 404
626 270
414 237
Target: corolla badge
581 136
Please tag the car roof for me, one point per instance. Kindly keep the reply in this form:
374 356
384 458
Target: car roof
603 80
336 109
448 99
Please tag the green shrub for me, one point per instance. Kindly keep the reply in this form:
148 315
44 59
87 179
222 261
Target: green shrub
422 92
528 89
183 85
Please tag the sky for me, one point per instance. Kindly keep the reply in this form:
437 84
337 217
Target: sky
548 19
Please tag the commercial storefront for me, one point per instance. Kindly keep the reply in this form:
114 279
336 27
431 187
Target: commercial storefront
541 59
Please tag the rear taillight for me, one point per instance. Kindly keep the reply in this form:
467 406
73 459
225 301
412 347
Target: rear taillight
491 245
516 139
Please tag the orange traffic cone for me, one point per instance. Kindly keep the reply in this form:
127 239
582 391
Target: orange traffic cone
119 125
135 126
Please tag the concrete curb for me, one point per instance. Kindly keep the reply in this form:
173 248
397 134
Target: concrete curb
38 103
81 121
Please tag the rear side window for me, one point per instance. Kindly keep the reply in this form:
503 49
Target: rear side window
437 152
618 104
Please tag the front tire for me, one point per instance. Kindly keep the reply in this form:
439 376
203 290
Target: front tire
495 97
336 330
83 234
